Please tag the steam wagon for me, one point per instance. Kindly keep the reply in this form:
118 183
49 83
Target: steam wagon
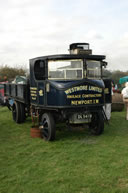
66 88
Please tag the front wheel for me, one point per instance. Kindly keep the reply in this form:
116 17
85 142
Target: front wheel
97 124
48 127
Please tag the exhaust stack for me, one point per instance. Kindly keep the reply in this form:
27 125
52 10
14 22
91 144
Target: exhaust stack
80 48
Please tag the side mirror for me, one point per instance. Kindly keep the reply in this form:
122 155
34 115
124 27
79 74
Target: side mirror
104 64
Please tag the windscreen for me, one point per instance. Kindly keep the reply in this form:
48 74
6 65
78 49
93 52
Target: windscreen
65 69
93 69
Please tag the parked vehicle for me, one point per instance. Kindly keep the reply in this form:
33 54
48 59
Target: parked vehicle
2 98
63 88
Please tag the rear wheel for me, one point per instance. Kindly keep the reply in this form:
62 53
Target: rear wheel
97 124
22 111
48 127
16 113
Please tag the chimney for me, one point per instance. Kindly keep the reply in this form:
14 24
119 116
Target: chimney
80 48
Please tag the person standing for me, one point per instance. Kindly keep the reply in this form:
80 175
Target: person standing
125 98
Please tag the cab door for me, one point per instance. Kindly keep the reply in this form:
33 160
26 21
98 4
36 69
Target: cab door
41 91
37 78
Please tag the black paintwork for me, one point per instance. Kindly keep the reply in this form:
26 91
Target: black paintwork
77 45
68 56
108 95
56 97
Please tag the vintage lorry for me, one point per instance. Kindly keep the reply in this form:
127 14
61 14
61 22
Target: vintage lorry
63 88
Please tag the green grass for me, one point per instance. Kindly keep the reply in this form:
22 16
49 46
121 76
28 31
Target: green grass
75 163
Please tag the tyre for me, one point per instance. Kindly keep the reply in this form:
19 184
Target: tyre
22 111
97 124
16 113
48 127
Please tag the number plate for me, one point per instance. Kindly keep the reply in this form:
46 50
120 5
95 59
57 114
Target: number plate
80 118
84 116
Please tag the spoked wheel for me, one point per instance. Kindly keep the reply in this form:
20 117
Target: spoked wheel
48 127
97 124
16 113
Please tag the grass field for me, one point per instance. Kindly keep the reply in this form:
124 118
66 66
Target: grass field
75 163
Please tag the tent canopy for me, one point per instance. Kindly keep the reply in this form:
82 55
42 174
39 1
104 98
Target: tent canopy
123 79
20 80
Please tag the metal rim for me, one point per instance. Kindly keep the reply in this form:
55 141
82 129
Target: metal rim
45 129
48 127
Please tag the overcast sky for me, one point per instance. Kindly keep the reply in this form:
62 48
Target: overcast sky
31 28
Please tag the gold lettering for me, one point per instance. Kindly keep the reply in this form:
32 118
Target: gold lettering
41 93
79 102
33 91
73 96
33 95
96 89
33 98
83 87
75 89
106 91
83 102
73 102
33 88
91 95
97 101
98 95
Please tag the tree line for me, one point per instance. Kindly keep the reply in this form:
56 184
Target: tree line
115 76
9 73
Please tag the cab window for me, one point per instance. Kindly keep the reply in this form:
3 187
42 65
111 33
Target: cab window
39 70
65 69
93 69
